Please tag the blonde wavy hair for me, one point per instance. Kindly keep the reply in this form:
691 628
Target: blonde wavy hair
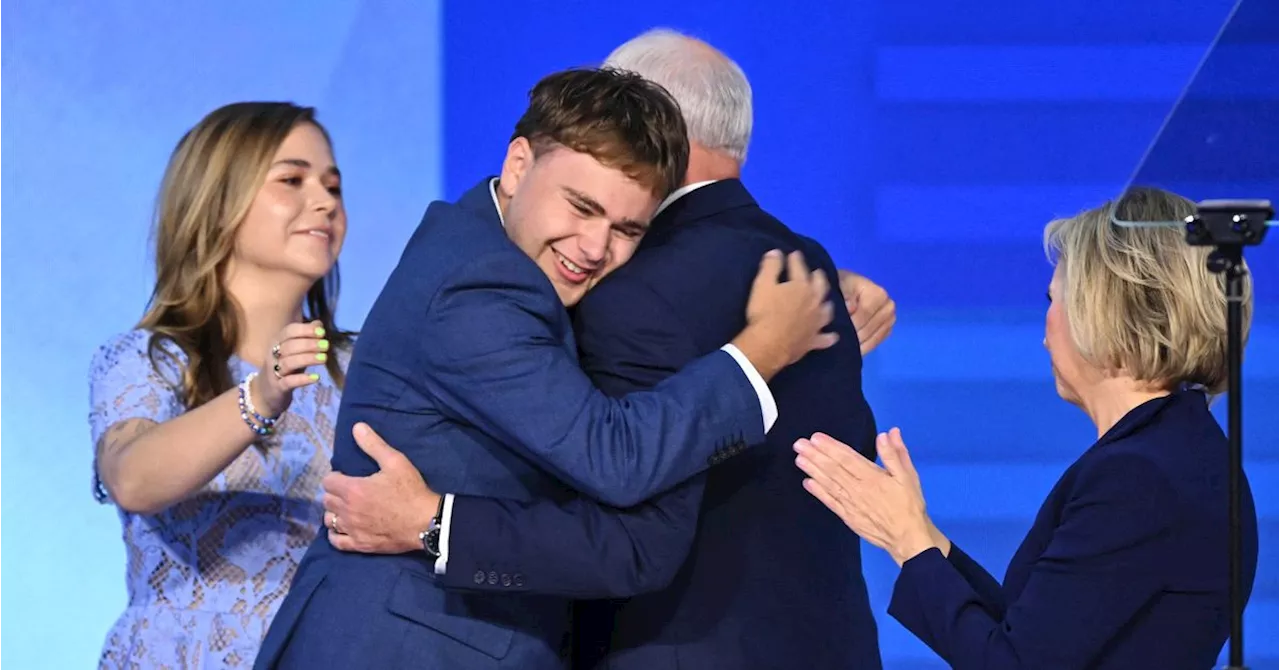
1141 301
209 185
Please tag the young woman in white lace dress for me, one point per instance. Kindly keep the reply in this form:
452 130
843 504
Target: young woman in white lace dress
212 422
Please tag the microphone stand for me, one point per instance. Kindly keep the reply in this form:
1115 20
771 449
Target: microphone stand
1229 226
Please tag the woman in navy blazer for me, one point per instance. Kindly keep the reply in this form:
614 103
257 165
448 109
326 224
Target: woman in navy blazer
1125 565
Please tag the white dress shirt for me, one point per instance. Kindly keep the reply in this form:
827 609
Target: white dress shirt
768 406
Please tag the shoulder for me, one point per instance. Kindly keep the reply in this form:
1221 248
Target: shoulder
138 353
454 247
1178 436
1126 488
453 231
492 302
704 264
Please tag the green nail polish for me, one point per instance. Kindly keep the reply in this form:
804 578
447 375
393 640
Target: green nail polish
319 332
314 377
322 357
324 345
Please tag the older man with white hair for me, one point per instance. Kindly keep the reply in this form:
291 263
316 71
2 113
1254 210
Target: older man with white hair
768 582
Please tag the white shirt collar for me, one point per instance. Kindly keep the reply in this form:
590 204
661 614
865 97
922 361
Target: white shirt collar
493 192
680 193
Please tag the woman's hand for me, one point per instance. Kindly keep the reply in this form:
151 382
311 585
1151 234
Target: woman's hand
297 347
883 505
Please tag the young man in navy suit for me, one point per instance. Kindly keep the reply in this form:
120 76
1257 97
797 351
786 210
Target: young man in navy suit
739 568
468 362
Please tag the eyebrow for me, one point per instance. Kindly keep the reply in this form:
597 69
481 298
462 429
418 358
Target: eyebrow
598 209
306 165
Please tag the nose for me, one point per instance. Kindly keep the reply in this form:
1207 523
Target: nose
594 243
322 199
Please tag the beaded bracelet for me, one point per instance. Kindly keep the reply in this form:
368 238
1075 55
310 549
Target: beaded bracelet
259 424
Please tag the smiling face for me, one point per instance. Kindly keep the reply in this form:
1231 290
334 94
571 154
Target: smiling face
577 218
296 224
589 161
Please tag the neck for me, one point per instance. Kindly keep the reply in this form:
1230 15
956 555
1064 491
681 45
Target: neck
709 165
264 312
1115 397
503 201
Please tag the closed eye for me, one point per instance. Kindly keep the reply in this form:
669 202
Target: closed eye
631 232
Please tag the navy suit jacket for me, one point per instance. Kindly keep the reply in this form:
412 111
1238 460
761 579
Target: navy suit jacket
742 568
467 363
1125 566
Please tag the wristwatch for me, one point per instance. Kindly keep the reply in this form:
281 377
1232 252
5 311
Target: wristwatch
431 536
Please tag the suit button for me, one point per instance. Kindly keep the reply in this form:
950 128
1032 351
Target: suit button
506 580
518 580
493 579
479 578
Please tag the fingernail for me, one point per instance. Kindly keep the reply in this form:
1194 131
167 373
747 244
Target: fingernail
319 332
314 377
360 429
800 446
322 357
324 345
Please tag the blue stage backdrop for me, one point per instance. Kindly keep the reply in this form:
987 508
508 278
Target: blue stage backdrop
925 143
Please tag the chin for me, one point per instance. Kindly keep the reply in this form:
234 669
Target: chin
314 269
569 297
1065 392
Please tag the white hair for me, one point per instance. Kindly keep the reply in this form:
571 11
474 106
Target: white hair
712 91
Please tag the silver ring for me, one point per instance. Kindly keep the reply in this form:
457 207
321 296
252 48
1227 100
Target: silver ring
275 351
333 524
275 369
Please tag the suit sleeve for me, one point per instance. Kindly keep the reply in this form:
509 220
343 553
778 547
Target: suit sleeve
985 587
497 361
1096 574
580 548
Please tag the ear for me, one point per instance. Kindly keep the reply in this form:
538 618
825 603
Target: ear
515 166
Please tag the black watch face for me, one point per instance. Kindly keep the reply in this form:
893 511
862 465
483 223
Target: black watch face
431 542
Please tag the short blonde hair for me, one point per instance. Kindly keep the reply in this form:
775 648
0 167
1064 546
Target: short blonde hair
1140 300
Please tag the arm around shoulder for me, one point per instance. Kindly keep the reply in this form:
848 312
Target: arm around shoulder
502 359
580 548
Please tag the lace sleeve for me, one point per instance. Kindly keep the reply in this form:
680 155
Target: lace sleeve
124 385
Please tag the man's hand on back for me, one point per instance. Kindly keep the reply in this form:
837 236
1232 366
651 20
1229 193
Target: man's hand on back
384 512
870 307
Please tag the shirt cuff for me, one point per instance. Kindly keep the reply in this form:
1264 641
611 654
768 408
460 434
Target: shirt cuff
442 561
768 407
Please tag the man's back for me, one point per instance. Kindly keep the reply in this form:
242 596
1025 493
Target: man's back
773 579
